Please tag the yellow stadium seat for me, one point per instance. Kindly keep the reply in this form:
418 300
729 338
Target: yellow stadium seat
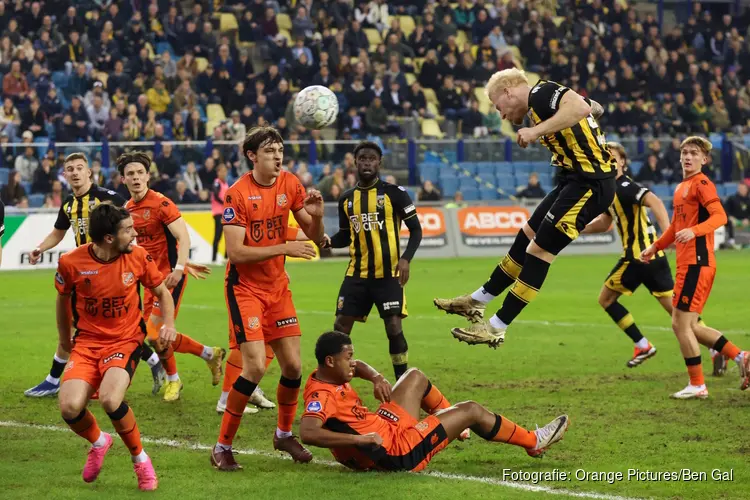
474 50
429 95
430 128
418 61
210 126
373 36
283 22
227 22
353 60
533 78
485 106
461 40
102 77
151 53
202 63
558 20
214 112
288 36
334 31
432 108
407 25
516 52
410 78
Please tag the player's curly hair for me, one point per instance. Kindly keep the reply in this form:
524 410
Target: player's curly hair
330 344
133 157
105 220
368 145
258 137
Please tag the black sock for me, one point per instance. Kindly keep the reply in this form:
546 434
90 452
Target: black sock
399 351
57 368
508 270
525 289
146 352
624 320
244 386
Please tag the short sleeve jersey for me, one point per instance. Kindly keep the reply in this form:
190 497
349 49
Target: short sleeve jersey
264 213
631 218
691 197
105 295
75 210
151 216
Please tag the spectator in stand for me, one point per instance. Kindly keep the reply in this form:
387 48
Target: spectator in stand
15 85
429 192
207 172
158 98
27 163
56 195
167 163
115 184
738 213
650 172
44 176
192 179
35 120
236 128
376 117
450 101
182 195
533 190
13 194
195 128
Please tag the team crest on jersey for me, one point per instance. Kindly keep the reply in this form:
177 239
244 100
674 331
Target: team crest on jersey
422 426
281 200
253 323
128 278
147 214
355 223
381 200
340 303
685 191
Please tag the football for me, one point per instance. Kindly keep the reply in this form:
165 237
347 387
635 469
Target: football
316 107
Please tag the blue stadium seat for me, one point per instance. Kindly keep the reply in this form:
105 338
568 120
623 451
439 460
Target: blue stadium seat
635 167
716 140
411 192
506 182
730 188
466 183
487 177
429 171
503 168
662 191
488 194
523 168
469 166
41 150
540 166
36 200
470 194
61 80
485 168
449 186
162 47
4 174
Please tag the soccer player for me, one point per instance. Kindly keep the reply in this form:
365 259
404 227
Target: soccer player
697 214
99 282
2 229
74 212
636 233
395 437
566 124
370 216
261 311
163 233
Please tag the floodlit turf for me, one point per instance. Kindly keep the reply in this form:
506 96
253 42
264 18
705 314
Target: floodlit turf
562 356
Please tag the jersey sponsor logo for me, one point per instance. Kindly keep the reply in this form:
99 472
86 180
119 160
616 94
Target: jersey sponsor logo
59 278
394 304
409 209
110 307
281 200
556 98
128 278
388 415
253 323
89 273
313 407
286 322
340 303
272 229
367 221
117 355
228 214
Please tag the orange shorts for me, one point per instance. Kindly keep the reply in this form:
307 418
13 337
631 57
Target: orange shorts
90 363
413 443
692 288
151 305
258 316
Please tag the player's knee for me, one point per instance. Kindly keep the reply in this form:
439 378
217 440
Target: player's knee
470 408
415 374
292 370
70 408
253 369
393 326
606 300
109 401
530 233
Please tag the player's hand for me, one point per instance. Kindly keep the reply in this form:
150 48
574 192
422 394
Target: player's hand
526 136
198 271
371 439
381 389
325 242
167 334
314 203
35 256
648 254
301 249
684 236
173 279
402 271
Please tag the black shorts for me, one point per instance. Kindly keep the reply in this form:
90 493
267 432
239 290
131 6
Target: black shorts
628 275
357 296
565 211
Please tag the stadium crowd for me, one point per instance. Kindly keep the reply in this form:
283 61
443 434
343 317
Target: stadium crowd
155 71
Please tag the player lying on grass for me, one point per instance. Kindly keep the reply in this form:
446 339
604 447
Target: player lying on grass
697 214
99 282
395 437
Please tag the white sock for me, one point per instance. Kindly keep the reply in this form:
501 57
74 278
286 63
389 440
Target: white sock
100 441
642 344
699 387
153 360
223 398
222 447
173 378
482 296
139 458
208 353
738 359
52 380
59 359
497 322
282 434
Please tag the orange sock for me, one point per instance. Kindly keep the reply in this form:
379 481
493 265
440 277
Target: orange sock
286 395
236 403
168 361
185 345
433 400
727 348
269 355
507 431
85 426
232 370
125 425
695 370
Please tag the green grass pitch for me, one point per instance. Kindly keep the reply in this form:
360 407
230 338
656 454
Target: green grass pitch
563 355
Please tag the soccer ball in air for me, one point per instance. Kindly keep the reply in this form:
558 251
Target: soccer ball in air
316 107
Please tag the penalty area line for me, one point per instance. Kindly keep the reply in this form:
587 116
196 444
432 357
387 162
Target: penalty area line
185 445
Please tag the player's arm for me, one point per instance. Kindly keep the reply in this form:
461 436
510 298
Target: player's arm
408 213
596 109
599 225
50 241
662 243
311 432
239 253
571 109
381 386
310 216
166 303
179 230
717 217
659 210
63 321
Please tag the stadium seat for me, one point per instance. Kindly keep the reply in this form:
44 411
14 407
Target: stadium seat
662 191
635 167
411 192
430 128
429 172
470 194
407 25
214 112
485 106
36 200
730 188
462 40
468 166
373 36
4 174
486 193
466 183
41 150
430 96
449 186
410 78
485 168
283 22
503 168
202 63
227 22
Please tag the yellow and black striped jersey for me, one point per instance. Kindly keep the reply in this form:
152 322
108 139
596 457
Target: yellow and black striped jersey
581 148
75 211
631 218
373 216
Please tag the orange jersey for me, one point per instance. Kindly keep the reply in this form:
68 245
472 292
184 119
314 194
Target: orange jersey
151 216
696 206
264 213
105 299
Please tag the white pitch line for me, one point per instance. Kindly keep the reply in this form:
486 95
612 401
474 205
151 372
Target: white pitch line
172 443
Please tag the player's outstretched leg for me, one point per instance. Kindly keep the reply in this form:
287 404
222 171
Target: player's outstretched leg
213 356
158 374
717 342
504 275
51 384
643 349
